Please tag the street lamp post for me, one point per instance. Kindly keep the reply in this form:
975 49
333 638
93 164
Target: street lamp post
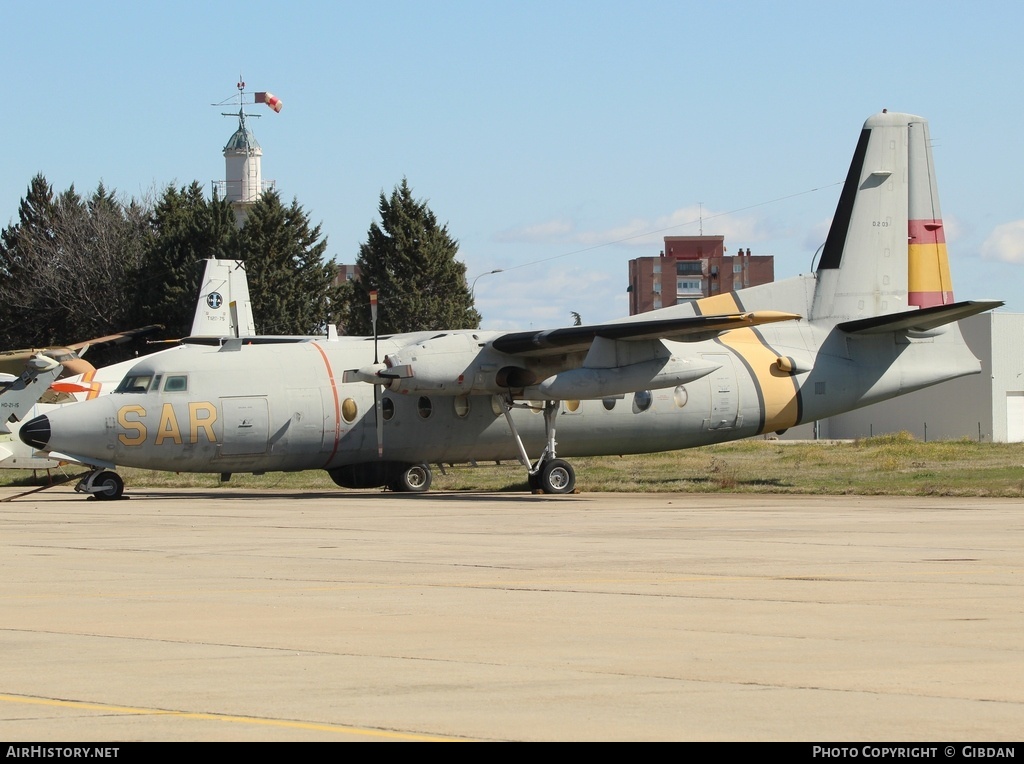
472 288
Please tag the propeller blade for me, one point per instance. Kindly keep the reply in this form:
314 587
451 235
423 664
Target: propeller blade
379 413
378 408
397 372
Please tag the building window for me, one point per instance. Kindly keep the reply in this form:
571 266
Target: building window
688 285
689 268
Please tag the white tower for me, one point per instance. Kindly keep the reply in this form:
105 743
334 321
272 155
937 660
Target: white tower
243 172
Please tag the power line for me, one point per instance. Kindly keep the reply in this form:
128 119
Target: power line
671 227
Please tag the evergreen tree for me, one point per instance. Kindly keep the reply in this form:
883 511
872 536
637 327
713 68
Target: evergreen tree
185 228
291 287
410 260
36 219
66 265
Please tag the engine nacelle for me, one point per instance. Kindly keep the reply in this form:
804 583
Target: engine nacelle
586 382
449 364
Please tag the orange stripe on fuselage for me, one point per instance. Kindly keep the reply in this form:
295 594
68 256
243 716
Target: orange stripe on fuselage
778 392
337 403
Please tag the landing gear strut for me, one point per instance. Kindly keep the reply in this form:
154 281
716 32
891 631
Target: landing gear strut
549 474
102 484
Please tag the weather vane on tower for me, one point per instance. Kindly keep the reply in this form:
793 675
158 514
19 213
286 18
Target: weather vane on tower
242 155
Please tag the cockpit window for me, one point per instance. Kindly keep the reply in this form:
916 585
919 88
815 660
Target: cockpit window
136 383
176 384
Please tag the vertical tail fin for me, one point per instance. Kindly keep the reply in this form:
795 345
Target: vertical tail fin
928 278
224 309
21 395
886 250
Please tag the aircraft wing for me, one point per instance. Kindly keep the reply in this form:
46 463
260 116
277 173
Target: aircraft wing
681 329
116 339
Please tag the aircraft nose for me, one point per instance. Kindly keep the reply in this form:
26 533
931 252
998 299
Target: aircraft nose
36 432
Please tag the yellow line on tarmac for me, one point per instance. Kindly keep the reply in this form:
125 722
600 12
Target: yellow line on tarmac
282 723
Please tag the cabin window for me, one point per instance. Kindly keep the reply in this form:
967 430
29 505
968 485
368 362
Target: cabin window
175 384
349 410
387 407
642 400
572 405
680 396
462 406
609 403
135 383
424 407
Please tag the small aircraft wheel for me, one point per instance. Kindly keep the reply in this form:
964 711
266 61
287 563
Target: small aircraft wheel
108 485
414 479
557 476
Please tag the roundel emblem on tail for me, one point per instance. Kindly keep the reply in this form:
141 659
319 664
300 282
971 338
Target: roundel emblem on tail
214 300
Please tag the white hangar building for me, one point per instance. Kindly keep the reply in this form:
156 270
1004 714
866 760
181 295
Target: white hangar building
988 407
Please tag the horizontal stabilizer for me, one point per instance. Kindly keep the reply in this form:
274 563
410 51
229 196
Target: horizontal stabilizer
918 320
684 329
273 339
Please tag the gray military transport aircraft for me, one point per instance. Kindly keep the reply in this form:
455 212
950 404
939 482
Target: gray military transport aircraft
875 320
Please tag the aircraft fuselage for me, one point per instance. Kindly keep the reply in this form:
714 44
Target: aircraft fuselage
285 407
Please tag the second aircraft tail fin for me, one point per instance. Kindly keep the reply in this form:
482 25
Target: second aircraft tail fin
224 309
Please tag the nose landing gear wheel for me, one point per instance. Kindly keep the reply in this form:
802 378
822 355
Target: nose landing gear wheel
107 486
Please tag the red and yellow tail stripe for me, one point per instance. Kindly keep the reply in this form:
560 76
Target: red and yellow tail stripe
928 280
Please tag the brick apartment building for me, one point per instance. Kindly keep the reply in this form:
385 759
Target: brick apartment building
691 267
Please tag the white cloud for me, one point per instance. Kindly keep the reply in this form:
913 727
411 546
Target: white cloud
1005 243
556 229
645 233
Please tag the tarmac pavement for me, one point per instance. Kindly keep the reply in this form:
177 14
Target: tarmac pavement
229 615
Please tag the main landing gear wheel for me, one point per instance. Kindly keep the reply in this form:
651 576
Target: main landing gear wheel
107 486
556 476
415 478
548 474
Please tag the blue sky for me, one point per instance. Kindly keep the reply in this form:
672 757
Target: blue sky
557 139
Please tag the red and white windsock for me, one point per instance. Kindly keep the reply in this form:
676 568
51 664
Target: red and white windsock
270 100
